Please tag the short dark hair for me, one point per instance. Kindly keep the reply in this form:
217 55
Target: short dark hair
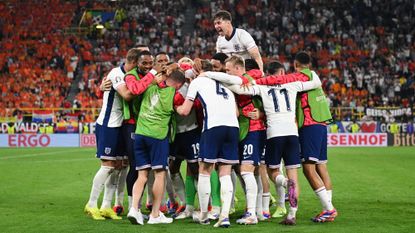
144 53
177 76
220 57
161 53
251 64
224 15
303 58
273 67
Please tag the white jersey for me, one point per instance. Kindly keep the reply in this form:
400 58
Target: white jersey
219 106
279 102
239 43
189 122
111 114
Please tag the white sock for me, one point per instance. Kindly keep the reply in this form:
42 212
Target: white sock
251 191
226 190
110 187
280 185
265 201
119 194
324 199
178 186
169 187
203 192
260 191
189 208
216 209
130 202
233 179
98 184
329 194
291 212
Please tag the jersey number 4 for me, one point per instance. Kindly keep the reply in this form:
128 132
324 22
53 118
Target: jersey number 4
220 90
275 99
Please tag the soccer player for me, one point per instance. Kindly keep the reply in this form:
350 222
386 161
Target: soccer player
282 132
252 140
108 128
273 68
218 62
186 146
234 41
137 81
130 111
312 120
218 143
152 145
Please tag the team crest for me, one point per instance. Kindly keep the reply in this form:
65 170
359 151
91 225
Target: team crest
237 47
107 150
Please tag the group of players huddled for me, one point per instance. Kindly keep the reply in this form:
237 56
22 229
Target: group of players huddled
227 119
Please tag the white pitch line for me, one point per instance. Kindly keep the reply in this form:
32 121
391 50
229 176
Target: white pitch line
59 160
37 154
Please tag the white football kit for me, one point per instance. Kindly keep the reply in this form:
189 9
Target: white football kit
218 102
239 44
111 114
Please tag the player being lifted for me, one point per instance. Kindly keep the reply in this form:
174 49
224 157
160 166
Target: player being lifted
282 132
234 41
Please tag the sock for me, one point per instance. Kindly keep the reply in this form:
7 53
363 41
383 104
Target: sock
119 194
214 182
280 184
226 190
259 196
169 188
98 184
324 199
251 191
265 202
329 194
190 189
233 179
291 212
130 202
216 209
178 186
203 192
110 187
189 208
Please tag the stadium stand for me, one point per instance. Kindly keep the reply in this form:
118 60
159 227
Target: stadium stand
366 57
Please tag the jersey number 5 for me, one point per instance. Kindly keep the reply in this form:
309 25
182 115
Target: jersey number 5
275 99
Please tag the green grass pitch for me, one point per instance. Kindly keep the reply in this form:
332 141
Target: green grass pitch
45 190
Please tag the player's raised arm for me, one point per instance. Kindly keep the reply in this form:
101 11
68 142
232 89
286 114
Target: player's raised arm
254 52
313 84
248 90
223 77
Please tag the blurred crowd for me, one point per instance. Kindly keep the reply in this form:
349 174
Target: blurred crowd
364 50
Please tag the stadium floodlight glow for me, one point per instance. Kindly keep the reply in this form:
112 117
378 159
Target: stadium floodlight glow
100 26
